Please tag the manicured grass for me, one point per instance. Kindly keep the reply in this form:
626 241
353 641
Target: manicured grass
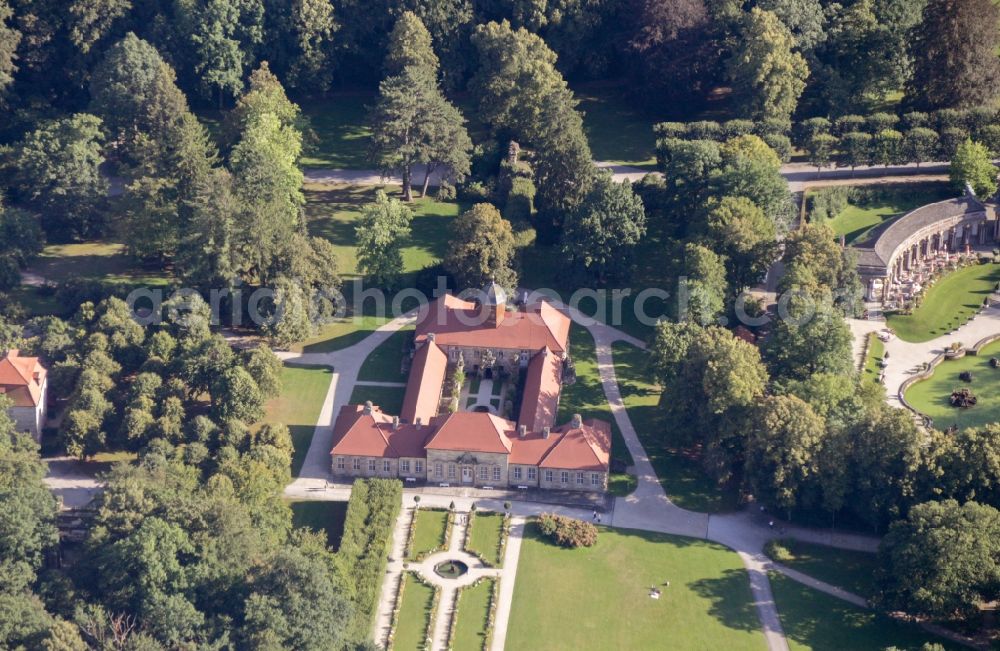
383 364
414 614
332 212
325 517
303 390
873 355
598 597
341 132
390 399
617 130
679 470
338 335
484 539
586 397
816 621
473 611
876 206
931 396
851 570
429 531
948 303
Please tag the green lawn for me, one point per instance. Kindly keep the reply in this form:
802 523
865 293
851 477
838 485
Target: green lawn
851 570
341 133
390 399
429 531
339 334
948 303
484 539
473 611
586 397
816 621
303 390
598 597
326 517
873 207
931 396
332 212
679 470
383 364
617 130
875 351
413 622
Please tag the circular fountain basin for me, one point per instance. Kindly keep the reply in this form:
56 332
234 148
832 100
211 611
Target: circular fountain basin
450 569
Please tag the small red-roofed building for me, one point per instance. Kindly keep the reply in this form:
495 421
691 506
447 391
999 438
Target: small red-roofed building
23 382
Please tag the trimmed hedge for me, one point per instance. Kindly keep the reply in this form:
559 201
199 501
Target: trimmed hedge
366 544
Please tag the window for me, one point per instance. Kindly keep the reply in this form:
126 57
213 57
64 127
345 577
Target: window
548 476
404 465
371 465
386 465
340 463
595 479
451 471
517 473
564 477
483 470
437 470
532 473
418 466
496 473
357 463
579 477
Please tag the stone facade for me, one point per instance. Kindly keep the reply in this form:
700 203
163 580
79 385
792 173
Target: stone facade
30 419
467 468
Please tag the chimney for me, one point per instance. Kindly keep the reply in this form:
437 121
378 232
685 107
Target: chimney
522 431
368 408
430 336
546 431
395 423
576 422
418 423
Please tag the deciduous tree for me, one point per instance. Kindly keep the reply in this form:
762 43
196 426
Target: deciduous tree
482 249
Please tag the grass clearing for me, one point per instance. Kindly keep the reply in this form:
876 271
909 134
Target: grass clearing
871 207
598 597
413 622
473 616
339 123
853 571
931 396
324 517
618 132
679 470
873 355
814 621
586 397
390 399
429 531
384 363
303 390
332 211
484 537
951 301
340 334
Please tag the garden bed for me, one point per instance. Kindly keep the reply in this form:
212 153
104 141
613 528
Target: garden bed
413 617
931 396
473 618
486 536
430 531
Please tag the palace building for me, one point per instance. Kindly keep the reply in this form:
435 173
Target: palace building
23 382
519 357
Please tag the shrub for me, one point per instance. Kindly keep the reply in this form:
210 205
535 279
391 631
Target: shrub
446 191
567 532
734 128
965 376
777 550
703 130
781 145
828 203
475 191
669 129
520 200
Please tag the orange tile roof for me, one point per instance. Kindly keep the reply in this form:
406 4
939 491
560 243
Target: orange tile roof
423 388
455 322
530 449
21 379
587 447
358 434
542 384
472 431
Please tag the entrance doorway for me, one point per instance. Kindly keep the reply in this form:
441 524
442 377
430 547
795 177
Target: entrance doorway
466 475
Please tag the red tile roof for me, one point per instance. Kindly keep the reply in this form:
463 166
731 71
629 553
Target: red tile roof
472 431
21 379
423 388
542 385
356 433
587 447
455 322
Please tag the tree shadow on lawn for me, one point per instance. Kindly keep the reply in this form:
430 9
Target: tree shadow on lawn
339 342
731 599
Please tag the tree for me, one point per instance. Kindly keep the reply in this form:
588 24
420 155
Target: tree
812 337
236 395
383 225
856 149
10 37
311 29
601 234
704 285
768 76
741 232
941 561
887 148
482 249
58 169
821 148
803 18
782 451
264 95
972 165
954 52
920 145
219 57
750 168
410 46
